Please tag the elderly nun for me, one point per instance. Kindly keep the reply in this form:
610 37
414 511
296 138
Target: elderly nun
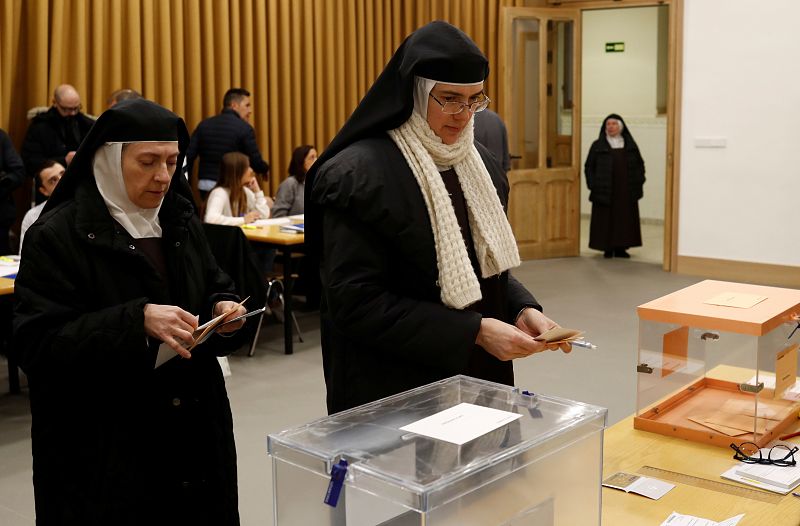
114 276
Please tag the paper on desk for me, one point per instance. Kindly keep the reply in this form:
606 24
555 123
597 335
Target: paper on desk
298 217
272 221
739 300
9 265
630 483
679 519
461 423
732 474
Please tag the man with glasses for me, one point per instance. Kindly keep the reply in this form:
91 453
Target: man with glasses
57 133
407 215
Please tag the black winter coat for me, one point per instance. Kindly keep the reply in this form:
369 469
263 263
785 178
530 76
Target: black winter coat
116 441
47 138
12 175
599 167
218 135
384 327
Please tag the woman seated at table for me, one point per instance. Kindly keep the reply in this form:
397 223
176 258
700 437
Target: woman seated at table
291 192
237 199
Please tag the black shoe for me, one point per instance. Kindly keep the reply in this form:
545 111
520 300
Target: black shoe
608 254
621 253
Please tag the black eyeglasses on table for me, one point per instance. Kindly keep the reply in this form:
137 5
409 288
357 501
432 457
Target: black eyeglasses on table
779 455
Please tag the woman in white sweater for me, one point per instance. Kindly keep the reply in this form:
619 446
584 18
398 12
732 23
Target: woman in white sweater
237 199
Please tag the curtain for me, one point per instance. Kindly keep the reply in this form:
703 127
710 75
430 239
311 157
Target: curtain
307 63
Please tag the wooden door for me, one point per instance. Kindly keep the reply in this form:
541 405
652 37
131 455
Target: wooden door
540 83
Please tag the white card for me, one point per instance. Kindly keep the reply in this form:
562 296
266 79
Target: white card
461 423
679 519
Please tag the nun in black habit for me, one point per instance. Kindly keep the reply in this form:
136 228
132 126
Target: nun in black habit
407 216
615 177
116 265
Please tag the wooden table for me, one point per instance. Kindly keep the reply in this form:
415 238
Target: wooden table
627 449
6 294
288 242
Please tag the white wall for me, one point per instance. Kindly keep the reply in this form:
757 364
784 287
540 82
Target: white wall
741 83
625 83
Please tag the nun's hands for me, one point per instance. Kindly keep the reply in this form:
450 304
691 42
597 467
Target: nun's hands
506 342
170 324
534 323
223 306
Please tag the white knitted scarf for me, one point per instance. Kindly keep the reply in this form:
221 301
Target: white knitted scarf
494 242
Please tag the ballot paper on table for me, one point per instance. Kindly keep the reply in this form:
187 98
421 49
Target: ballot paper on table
679 519
461 423
644 486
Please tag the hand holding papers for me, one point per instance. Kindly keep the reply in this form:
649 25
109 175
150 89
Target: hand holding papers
560 335
203 332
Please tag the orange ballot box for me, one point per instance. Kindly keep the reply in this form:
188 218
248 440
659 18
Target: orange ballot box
718 363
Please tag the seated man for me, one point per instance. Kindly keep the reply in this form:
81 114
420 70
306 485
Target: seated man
56 133
47 178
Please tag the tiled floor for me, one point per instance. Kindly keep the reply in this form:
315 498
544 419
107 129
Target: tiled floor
271 391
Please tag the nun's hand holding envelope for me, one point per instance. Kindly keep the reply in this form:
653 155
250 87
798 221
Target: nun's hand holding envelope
545 330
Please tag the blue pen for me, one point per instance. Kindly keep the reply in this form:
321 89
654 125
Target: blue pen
796 494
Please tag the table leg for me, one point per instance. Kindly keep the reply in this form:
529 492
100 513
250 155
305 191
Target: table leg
13 375
287 301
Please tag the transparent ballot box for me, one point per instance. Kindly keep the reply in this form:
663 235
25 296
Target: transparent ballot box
718 363
542 467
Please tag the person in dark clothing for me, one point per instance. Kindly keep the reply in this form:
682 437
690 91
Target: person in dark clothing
230 131
12 174
490 131
129 427
415 281
615 176
122 94
57 133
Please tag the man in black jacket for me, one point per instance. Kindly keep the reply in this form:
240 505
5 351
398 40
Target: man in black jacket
56 133
230 131
12 173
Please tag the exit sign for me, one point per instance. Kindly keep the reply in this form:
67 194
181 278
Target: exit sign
615 47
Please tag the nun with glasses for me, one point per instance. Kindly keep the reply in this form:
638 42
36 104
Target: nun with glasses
406 214
129 427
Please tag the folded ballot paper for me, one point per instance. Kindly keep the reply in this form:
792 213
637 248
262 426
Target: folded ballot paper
644 486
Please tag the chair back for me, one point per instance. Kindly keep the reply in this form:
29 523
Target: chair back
235 256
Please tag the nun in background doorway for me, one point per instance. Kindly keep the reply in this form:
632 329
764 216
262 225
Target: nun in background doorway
116 268
615 176
407 216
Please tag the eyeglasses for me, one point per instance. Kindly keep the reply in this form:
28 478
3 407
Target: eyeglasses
73 109
455 107
779 455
